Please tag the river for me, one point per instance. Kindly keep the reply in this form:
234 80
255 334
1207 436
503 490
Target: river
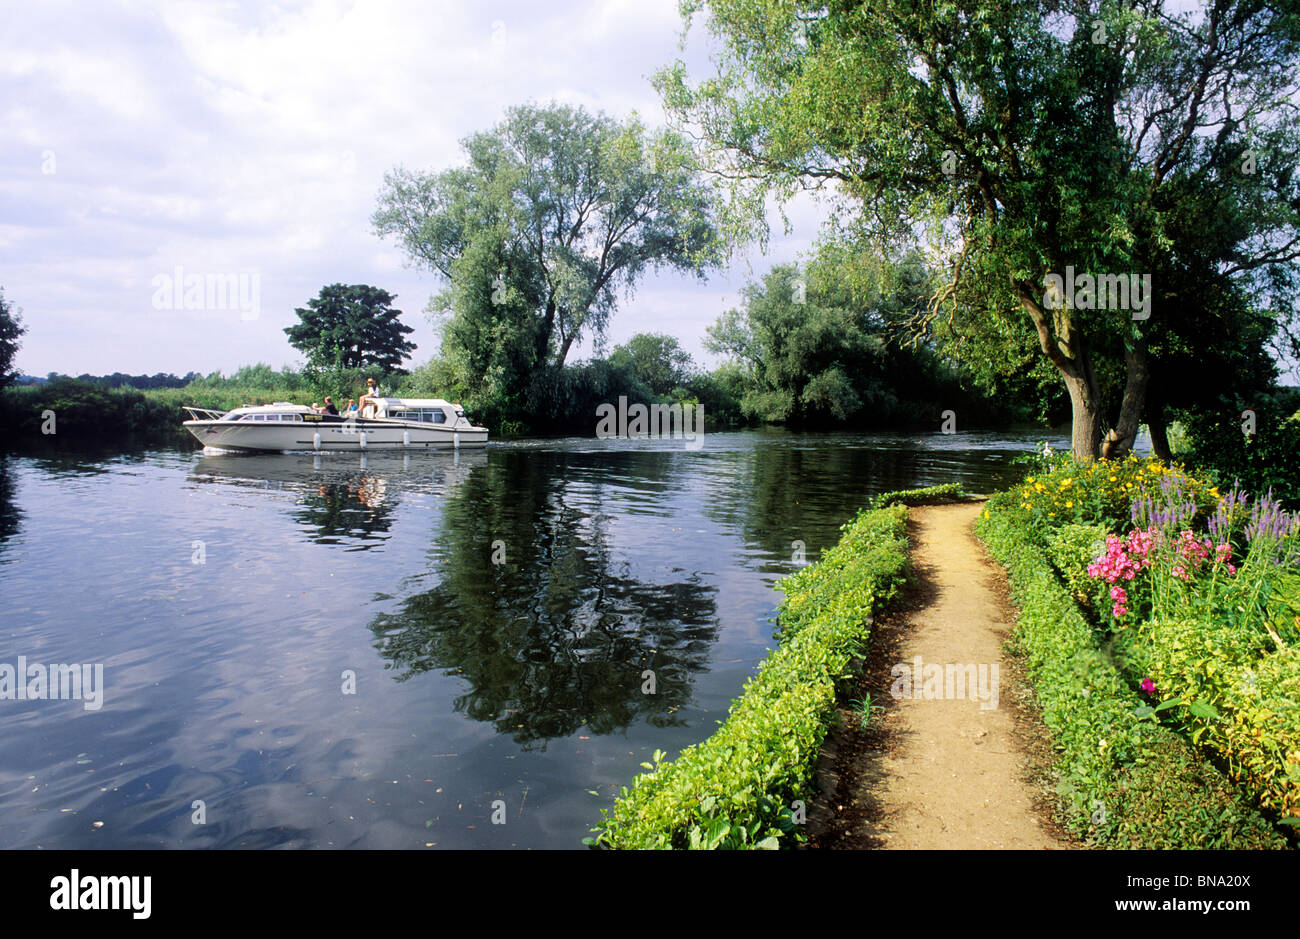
442 650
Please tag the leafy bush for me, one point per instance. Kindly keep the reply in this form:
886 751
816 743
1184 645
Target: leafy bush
1101 492
1073 547
930 495
735 789
1234 694
1260 461
83 414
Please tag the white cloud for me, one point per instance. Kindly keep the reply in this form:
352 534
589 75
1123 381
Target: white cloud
241 136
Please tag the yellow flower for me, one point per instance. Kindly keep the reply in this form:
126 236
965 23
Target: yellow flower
1038 486
1113 478
1030 479
1069 504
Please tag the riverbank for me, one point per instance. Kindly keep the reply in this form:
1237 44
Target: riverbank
924 745
749 784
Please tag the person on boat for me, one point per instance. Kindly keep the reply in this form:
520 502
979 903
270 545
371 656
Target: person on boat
371 395
329 407
352 406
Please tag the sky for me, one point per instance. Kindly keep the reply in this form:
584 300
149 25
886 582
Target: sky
246 143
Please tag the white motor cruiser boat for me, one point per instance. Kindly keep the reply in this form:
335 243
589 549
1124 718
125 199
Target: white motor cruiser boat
384 424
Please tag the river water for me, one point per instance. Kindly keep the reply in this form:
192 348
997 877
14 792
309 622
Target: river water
443 650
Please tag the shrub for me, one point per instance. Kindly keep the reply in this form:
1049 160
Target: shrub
734 790
1072 548
930 495
1101 492
1263 460
1234 695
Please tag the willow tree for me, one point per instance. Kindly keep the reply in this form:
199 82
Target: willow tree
1024 142
556 215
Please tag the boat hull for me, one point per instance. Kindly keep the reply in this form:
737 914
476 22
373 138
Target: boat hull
348 435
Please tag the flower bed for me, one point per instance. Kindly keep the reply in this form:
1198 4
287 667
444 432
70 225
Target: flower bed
1195 595
1124 781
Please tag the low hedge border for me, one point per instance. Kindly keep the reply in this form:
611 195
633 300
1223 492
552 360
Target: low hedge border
1124 782
736 788
930 495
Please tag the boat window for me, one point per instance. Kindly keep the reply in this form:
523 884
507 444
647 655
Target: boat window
231 417
435 416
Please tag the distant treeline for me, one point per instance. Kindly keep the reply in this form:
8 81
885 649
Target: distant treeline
116 380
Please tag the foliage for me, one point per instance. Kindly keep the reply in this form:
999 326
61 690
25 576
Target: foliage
1265 459
84 414
1022 139
1197 601
351 327
1125 782
141 382
1101 491
556 214
735 789
1072 548
929 495
816 346
11 330
657 361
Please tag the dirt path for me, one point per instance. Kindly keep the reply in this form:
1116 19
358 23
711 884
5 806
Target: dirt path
944 764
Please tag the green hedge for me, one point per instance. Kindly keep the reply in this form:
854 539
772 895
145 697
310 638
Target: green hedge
736 789
1125 780
930 495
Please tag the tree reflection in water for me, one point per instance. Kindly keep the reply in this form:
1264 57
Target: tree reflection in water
559 636
10 516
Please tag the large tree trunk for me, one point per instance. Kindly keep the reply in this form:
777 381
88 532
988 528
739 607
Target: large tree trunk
1085 430
544 333
1119 440
1068 351
564 350
1157 425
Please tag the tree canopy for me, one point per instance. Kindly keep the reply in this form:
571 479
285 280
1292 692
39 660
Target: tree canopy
657 360
351 326
11 330
816 344
1025 140
557 213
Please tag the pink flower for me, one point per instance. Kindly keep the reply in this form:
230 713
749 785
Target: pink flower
1149 686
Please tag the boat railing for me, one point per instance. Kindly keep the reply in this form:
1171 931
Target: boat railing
203 414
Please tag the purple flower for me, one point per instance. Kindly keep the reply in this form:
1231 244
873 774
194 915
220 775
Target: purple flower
1149 686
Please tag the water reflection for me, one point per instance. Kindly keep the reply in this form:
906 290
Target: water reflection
539 615
345 499
10 515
